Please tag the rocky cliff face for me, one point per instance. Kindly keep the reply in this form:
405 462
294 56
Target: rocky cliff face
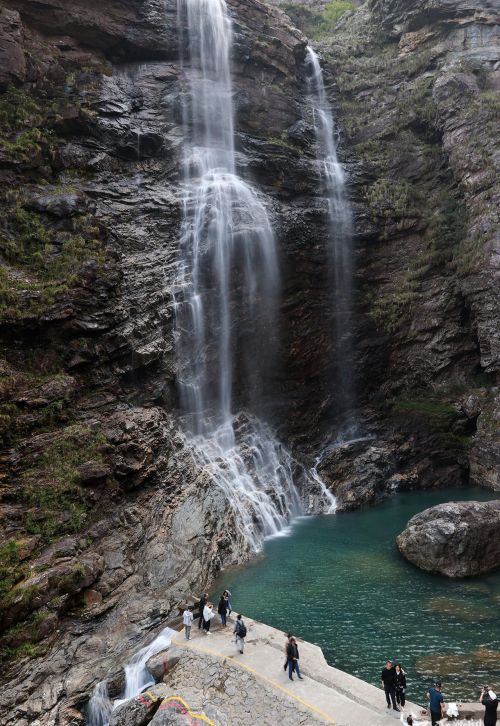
416 90
106 522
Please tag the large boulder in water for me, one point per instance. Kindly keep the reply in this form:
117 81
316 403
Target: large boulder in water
456 539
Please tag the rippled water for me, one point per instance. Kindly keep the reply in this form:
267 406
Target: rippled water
340 582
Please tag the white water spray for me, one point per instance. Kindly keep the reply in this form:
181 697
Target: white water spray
100 706
137 678
341 227
227 295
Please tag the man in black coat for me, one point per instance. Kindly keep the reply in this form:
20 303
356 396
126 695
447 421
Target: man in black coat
490 702
201 605
292 655
389 685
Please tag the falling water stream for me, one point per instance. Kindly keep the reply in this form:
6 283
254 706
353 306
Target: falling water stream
340 233
137 678
227 296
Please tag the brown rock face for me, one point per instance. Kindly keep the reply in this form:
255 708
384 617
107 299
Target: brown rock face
457 539
12 62
108 524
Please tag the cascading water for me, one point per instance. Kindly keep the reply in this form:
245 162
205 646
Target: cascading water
100 706
340 230
226 299
137 678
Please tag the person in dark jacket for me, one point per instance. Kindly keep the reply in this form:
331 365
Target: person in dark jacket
436 703
222 610
201 605
489 700
289 636
400 685
292 654
388 678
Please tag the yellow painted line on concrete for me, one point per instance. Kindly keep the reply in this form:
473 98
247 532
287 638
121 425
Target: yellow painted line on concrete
258 675
192 714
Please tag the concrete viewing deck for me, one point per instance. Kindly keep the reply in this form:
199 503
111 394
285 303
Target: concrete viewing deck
329 695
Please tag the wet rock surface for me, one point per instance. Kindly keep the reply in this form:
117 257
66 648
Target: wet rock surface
457 539
107 521
141 710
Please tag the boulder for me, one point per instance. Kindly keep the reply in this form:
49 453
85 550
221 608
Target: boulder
456 539
162 663
92 472
59 204
171 714
140 710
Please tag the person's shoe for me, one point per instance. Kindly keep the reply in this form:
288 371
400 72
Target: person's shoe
241 652
300 678
395 708
290 677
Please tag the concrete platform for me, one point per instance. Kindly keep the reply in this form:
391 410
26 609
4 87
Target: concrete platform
331 695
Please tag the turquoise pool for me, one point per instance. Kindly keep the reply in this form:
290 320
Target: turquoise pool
339 581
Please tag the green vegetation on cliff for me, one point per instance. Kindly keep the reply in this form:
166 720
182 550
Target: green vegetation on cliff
41 254
317 24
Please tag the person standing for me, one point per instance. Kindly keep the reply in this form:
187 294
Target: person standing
187 619
289 636
292 654
388 679
227 595
400 685
489 700
240 630
436 703
222 610
201 605
208 614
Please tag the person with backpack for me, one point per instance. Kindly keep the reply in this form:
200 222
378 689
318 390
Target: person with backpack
292 654
240 630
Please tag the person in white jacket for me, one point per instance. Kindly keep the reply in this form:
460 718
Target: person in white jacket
208 614
187 619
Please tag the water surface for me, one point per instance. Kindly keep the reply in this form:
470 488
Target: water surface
340 582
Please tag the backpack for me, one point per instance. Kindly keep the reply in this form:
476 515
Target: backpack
242 629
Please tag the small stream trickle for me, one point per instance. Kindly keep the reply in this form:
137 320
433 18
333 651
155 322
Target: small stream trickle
340 221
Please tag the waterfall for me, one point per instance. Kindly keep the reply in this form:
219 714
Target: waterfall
340 230
227 294
137 678
99 707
